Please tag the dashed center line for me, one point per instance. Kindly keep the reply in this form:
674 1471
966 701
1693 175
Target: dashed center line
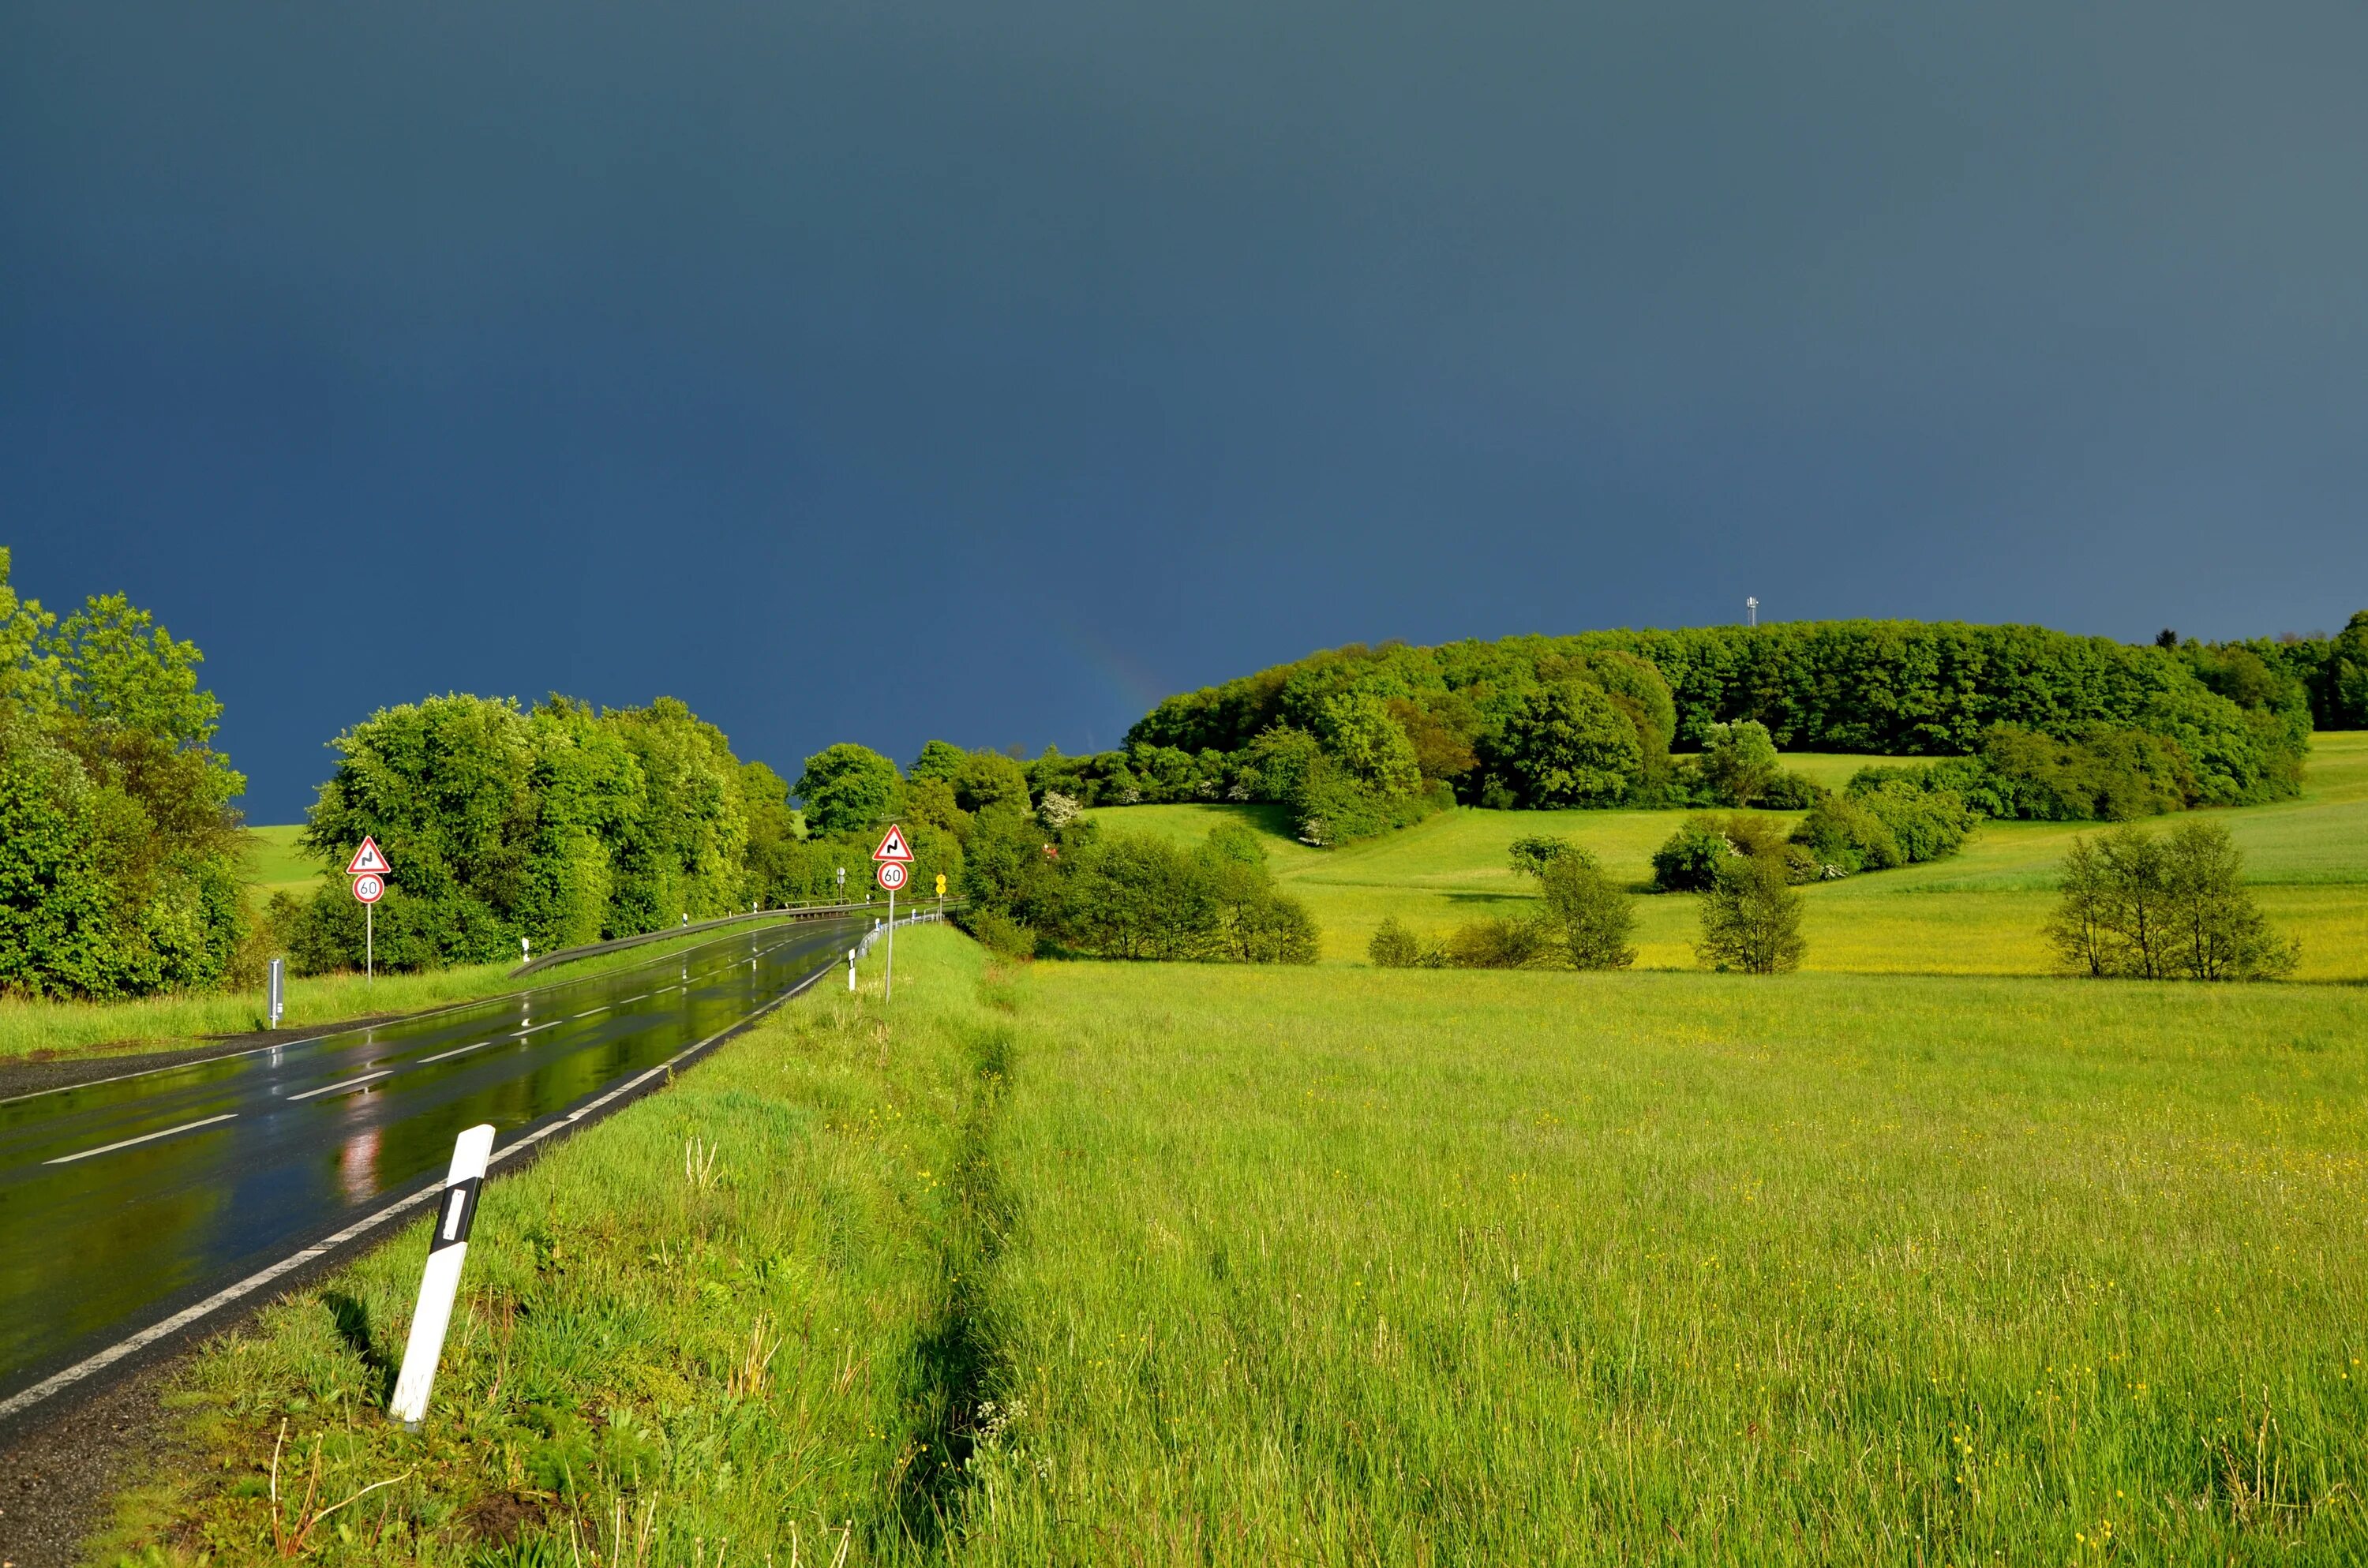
144 1137
447 1055
348 1084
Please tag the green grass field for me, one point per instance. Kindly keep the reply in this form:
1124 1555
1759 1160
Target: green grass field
1979 913
275 865
1167 1263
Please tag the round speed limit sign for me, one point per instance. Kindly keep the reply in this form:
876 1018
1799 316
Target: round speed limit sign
891 874
370 888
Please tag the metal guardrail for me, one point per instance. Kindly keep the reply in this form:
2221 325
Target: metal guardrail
666 933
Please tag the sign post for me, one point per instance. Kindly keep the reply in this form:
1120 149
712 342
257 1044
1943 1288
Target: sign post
370 871
278 998
895 861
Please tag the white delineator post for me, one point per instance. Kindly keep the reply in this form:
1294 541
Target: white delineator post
850 972
447 1245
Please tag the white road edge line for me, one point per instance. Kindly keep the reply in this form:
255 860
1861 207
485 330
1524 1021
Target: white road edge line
257 1281
144 1137
348 1084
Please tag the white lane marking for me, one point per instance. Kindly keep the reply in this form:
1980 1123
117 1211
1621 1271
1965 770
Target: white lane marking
255 1281
539 1028
447 1055
348 1084
593 1014
144 1137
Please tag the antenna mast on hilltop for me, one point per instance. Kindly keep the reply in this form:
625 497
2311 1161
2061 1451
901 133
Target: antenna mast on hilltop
1751 612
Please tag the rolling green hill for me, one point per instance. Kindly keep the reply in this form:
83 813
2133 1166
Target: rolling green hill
1979 913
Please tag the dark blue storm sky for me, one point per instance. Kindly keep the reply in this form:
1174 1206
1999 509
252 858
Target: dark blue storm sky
889 370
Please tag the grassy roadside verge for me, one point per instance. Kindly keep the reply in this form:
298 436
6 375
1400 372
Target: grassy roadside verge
1180 1264
734 1319
164 1023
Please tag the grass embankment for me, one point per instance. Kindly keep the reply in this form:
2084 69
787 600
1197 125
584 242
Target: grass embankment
1359 1265
165 1023
1978 912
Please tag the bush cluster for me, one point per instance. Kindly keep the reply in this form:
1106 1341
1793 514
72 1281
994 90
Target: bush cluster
2163 906
1079 891
119 850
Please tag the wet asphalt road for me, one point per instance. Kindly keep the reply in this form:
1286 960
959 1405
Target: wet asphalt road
123 1201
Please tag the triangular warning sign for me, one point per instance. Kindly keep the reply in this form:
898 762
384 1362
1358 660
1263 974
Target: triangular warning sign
894 846
367 858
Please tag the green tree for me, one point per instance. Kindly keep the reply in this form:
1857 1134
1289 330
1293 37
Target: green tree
446 788
1572 747
774 834
1738 762
1751 918
1590 916
847 787
2347 674
1369 744
684 854
58 934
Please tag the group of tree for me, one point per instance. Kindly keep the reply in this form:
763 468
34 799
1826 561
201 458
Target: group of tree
2332 671
1584 919
119 850
2164 907
557 824
2038 723
1886 816
1078 890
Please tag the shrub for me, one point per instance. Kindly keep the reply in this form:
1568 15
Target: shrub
1690 860
1751 918
999 934
1531 856
1393 945
1124 895
1497 942
2147 907
1843 833
1791 792
1926 820
1588 914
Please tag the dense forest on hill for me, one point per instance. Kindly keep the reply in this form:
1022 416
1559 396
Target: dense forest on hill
1358 739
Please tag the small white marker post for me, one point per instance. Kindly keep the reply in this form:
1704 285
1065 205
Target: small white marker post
850 972
447 1245
278 994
